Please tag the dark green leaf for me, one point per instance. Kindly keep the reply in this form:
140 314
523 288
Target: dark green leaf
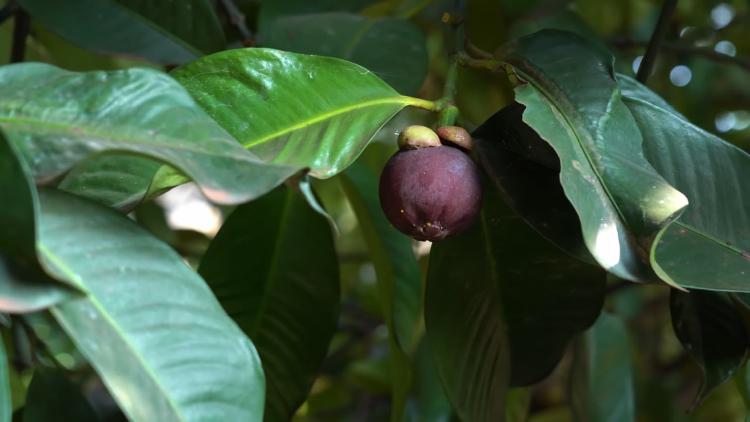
573 102
396 267
274 268
501 304
602 373
526 172
431 404
170 32
708 247
6 403
19 209
272 10
713 333
26 288
149 324
294 109
52 397
393 49
57 118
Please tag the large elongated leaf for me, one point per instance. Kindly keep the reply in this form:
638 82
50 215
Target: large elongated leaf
52 396
171 32
708 247
149 324
501 305
573 102
713 332
56 118
274 268
395 265
393 49
602 373
294 109
6 404
24 287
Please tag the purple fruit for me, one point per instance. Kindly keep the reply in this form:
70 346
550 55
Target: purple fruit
431 193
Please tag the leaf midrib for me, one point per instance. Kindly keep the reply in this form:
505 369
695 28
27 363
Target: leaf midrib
62 266
402 100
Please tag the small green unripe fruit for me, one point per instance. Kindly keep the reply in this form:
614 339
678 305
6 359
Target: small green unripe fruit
457 136
415 137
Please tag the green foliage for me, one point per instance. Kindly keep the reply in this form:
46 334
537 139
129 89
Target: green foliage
300 302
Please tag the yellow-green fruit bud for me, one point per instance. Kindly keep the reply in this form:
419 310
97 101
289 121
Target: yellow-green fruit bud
457 136
415 137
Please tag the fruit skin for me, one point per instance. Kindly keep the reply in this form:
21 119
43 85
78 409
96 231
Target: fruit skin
431 193
415 137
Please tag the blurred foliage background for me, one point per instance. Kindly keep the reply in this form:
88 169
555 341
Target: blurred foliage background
703 70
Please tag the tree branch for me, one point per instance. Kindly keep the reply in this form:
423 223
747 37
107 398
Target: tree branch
649 58
678 48
237 18
20 33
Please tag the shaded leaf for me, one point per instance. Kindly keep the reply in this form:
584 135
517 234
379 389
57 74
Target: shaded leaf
57 118
431 404
708 247
396 268
270 11
52 397
170 32
274 269
6 403
393 49
149 325
26 288
526 172
500 306
294 109
713 333
572 101
602 373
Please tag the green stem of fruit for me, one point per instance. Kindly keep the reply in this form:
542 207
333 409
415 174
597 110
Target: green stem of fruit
448 110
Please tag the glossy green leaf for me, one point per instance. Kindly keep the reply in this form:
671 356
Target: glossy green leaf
500 307
602 373
294 109
52 396
274 269
149 325
713 332
57 118
6 403
170 32
708 247
396 267
573 102
393 49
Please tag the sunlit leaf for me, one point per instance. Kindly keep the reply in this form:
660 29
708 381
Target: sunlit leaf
294 109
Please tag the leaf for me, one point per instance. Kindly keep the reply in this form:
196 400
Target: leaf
52 396
394 49
23 285
294 109
712 331
171 32
6 404
431 403
26 288
274 268
708 247
525 170
271 11
57 118
602 373
396 267
572 101
500 306
149 325
19 210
